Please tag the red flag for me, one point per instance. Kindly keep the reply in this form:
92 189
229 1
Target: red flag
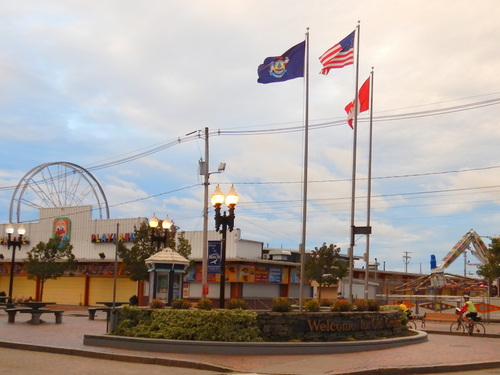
364 102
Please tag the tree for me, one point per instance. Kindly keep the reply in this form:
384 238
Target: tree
491 269
49 261
325 266
142 248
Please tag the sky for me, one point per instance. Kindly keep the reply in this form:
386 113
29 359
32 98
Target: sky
126 88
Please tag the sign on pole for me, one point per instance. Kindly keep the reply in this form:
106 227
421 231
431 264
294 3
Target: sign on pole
214 256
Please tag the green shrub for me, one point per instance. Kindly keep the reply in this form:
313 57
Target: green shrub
282 304
204 304
202 325
342 305
157 304
403 314
181 304
235 303
361 305
312 305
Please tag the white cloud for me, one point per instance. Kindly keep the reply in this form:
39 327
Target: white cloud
93 83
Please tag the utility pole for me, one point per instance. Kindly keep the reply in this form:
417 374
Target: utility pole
204 261
406 260
205 171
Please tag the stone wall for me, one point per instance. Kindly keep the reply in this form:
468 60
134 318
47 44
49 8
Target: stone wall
329 326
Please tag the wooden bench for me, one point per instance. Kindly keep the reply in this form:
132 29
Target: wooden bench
93 310
438 317
35 315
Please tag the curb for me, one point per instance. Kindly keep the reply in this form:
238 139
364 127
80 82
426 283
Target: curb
427 369
209 367
248 348
436 332
118 357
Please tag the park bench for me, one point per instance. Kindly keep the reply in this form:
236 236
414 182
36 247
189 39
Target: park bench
108 305
93 310
35 314
438 317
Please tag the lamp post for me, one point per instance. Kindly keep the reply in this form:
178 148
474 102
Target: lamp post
159 240
223 223
15 243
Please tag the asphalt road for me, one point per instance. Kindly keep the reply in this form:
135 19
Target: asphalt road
18 362
21 362
495 371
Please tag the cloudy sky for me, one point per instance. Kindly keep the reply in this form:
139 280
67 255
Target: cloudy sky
119 86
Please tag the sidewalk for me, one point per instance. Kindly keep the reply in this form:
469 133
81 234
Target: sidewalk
440 352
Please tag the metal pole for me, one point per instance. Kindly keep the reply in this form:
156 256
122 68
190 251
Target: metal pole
222 294
204 261
113 316
368 211
354 152
306 162
12 264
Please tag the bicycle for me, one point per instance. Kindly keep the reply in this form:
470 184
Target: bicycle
461 327
411 322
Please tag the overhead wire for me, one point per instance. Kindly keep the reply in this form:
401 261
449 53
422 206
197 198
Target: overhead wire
287 129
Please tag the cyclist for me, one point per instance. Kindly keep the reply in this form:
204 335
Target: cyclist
468 311
405 309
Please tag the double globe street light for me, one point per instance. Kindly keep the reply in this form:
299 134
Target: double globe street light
223 223
161 239
15 243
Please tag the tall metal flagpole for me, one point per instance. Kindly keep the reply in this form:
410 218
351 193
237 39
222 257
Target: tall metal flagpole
306 161
354 151
368 215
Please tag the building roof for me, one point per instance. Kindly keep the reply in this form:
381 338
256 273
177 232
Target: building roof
167 255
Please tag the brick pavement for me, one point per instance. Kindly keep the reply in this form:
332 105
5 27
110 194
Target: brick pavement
440 352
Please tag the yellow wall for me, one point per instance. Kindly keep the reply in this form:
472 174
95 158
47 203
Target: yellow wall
68 290
23 287
101 289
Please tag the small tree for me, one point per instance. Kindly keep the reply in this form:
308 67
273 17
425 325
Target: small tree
49 261
491 269
325 266
142 248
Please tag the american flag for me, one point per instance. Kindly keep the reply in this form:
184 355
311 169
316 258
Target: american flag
340 55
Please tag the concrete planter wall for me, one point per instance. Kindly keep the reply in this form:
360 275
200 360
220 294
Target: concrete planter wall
329 326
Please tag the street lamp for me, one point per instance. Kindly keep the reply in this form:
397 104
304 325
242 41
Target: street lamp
223 223
159 240
15 243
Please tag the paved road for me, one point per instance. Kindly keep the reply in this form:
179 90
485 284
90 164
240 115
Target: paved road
494 371
27 362
440 353
18 362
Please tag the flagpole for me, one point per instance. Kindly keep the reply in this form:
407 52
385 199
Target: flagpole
354 151
306 161
368 215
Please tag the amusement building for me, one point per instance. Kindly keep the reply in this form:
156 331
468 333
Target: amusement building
253 272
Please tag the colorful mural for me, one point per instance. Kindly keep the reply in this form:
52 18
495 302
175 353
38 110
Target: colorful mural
62 229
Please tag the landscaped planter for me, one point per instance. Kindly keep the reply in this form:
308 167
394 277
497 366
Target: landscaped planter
249 326
329 326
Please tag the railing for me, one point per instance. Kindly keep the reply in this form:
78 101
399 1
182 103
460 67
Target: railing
488 307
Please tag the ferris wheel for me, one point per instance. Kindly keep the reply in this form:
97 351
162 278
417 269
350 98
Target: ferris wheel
57 184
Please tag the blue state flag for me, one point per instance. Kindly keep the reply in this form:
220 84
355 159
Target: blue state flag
290 65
